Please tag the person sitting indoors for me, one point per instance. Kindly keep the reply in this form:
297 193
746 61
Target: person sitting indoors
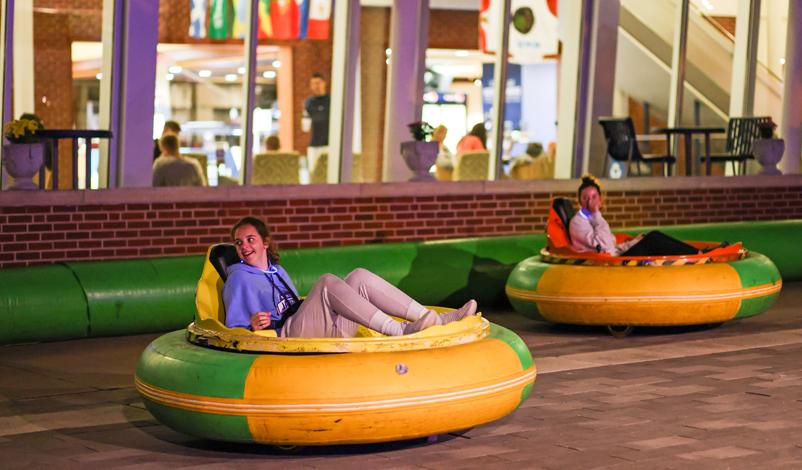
171 169
272 144
170 128
474 141
591 233
259 294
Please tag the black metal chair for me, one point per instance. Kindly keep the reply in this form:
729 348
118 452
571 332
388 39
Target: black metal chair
622 146
741 135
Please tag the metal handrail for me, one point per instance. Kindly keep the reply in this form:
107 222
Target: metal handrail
54 135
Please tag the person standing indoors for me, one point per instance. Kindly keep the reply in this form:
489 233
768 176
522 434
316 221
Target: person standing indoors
316 118
170 128
171 169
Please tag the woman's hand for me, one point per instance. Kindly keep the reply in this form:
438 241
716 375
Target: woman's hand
260 320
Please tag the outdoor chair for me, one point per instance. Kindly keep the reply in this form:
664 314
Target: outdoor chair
276 168
202 159
318 175
622 146
741 135
472 166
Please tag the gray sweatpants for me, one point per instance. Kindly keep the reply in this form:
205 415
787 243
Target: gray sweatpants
335 307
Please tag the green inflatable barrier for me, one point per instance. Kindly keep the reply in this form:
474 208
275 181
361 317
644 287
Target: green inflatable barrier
135 296
139 296
41 303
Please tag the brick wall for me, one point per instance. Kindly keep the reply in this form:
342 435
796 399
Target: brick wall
135 223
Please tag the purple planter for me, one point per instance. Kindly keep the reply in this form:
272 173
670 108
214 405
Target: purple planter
420 157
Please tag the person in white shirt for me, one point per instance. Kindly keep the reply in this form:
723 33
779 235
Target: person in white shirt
591 233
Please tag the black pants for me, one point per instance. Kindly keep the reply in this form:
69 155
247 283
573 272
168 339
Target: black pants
657 243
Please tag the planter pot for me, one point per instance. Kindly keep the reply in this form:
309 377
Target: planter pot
22 161
420 156
769 152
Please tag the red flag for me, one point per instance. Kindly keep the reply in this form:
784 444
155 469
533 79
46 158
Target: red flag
319 19
285 18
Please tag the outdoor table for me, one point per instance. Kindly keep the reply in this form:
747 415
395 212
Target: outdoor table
688 133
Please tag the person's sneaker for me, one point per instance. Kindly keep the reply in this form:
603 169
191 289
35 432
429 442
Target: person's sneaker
425 321
468 309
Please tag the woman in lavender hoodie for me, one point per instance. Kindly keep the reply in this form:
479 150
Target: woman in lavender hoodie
259 294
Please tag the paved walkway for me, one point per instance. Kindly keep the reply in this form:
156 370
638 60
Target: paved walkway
725 397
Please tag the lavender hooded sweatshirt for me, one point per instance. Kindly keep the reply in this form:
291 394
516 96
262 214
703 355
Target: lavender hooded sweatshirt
249 290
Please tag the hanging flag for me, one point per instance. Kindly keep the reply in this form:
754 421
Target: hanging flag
285 16
533 29
265 28
303 6
221 19
197 19
318 19
240 23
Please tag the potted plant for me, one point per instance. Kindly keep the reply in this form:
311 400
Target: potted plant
420 154
768 149
23 156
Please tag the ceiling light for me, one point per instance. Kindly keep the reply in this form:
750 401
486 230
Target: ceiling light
478 82
782 60
99 75
707 5
461 53
230 77
204 73
269 74
276 63
169 77
388 52
241 70
175 69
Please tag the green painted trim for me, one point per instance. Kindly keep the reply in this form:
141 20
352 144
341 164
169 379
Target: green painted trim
514 342
202 425
526 276
754 270
173 363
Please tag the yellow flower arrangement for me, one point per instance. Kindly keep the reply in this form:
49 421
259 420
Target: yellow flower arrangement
21 131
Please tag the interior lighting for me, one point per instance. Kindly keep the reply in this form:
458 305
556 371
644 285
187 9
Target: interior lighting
782 60
204 73
461 53
99 75
276 63
230 77
478 82
269 74
241 70
388 52
169 77
175 69
707 5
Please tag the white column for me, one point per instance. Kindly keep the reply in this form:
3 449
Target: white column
130 36
344 59
600 71
409 36
572 15
744 58
678 63
249 88
23 61
499 88
792 95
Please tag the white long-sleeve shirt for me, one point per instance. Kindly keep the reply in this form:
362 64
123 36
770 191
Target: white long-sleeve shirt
593 234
